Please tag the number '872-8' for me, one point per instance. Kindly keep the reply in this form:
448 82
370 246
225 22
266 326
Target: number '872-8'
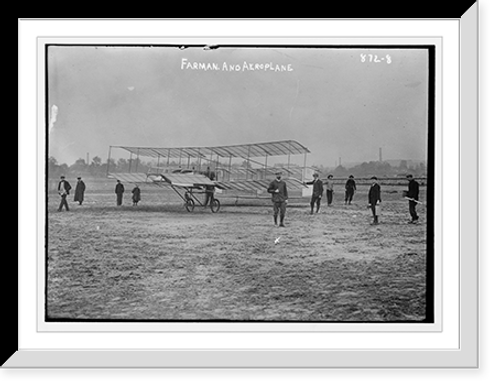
375 58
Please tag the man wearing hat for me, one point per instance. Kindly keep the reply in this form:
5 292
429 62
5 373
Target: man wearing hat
317 192
210 190
279 198
374 199
350 187
412 194
329 189
63 188
79 190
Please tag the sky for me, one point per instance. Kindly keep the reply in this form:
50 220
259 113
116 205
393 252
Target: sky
338 102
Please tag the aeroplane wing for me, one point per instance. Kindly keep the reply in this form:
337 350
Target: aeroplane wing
262 149
257 186
137 178
188 180
196 180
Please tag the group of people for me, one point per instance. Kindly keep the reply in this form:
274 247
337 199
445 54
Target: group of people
64 189
279 193
120 190
279 197
350 188
374 198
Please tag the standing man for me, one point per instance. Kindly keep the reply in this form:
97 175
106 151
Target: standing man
119 190
79 190
374 199
210 174
63 188
350 187
317 192
412 195
279 198
329 189
209 193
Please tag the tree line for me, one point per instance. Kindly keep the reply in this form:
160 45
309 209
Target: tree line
97 168
377 168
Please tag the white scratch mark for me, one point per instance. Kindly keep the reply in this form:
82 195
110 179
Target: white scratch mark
53 117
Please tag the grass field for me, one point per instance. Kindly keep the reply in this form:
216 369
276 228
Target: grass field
156 261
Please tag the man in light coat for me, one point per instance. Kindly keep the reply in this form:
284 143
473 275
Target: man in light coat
329 189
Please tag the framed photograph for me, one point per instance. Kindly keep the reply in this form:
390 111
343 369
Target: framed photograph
193 230
214 194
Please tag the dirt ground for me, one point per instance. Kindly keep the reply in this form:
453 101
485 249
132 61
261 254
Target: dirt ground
156 261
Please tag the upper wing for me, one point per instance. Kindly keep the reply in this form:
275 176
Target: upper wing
263 149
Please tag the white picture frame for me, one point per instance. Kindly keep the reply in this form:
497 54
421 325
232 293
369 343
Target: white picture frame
454 344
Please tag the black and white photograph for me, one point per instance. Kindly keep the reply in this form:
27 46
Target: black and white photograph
247 203
239 183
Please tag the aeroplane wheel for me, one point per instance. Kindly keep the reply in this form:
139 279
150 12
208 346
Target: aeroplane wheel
215 205
189 205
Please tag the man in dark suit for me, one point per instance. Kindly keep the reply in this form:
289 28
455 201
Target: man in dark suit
209 193
63 188
374 199
279 198
317 192
412 194
119 190
350 187
79 191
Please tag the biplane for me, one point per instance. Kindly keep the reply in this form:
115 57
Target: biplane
196 171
